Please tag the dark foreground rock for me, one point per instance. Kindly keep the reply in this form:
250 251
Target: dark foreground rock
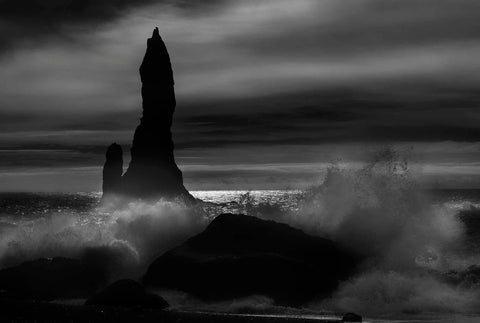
240 255
50 278
127 293
152 172
351 317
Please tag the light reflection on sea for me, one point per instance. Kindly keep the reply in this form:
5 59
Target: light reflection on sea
237 201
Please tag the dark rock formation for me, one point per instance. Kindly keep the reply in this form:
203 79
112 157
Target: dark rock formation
113 170
152 171
50 278
351 317
240 255
127 293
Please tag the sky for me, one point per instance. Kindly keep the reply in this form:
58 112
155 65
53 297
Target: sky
270 93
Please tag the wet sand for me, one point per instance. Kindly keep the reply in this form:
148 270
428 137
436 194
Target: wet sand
27 311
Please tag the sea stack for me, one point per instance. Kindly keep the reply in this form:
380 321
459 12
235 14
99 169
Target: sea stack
113 170
152 171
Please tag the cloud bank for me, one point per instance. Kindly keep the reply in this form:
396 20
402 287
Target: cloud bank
254 75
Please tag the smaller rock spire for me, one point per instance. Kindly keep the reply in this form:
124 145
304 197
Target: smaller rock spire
112 170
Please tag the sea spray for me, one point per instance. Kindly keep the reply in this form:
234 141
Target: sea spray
378 211
379 292
410 244
127 238
382 214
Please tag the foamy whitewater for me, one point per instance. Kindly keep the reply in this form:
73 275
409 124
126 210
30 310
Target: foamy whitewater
421 246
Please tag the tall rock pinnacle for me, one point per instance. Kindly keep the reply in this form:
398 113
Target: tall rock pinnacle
152 171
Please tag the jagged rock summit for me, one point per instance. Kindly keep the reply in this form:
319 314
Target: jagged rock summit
152 171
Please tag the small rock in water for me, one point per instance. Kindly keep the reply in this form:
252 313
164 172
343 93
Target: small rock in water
351 317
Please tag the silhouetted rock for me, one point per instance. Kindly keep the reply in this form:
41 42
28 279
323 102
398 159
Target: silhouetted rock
351 317
127 293
152 171
240 255
113 170
50 278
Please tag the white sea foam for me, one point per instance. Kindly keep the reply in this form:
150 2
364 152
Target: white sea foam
132 235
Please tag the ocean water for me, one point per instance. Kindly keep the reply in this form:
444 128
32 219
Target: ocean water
424 245
17 206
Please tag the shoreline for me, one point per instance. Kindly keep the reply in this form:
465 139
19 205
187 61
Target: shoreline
31 311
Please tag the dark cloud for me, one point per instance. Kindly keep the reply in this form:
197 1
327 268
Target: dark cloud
368 27
45 158
309 118
313 118
32 22
18 121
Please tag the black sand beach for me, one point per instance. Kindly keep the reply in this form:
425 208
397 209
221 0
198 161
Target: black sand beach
23 311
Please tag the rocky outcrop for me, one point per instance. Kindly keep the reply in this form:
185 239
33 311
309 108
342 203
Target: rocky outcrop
50 278
240 255
152 171
113 170
127 293
351 317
